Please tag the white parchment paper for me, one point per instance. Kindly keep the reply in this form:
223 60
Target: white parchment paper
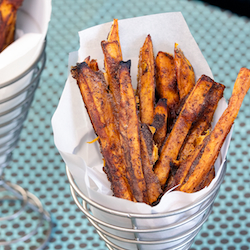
72 127
31 28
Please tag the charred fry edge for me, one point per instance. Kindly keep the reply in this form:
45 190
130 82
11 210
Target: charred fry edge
160 122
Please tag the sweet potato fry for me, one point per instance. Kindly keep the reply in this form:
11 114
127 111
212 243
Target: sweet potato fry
97 101
185 166
193 108
160 122
146 82
8 14
114 34
166 83
112 58
129 133
219 133
147 156
184 72
204 123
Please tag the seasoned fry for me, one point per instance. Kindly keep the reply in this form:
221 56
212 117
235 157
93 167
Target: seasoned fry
166 83
147 157
112 58
184 72
114 34
129 133
219 133
146 82
160 122
193 108
8 14
185 166
204 123
97 101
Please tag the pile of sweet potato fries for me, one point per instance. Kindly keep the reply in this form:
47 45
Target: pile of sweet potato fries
158 137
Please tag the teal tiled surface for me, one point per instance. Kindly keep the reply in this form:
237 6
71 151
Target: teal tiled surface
224 39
